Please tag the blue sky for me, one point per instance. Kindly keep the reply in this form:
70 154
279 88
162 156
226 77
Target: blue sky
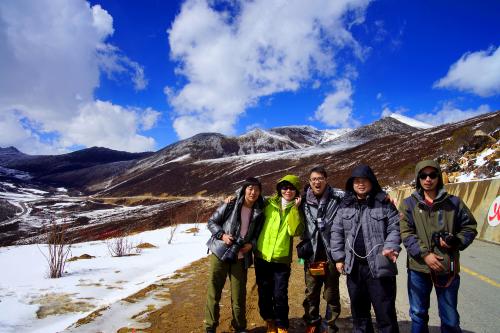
138 76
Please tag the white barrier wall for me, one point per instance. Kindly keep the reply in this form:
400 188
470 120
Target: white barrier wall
483 199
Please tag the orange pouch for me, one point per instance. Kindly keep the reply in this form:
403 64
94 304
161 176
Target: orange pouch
318 268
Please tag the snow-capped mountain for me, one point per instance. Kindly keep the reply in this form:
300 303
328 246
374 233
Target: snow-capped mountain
391 147
410 121
379 129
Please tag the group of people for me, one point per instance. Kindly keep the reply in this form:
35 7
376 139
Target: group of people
357 232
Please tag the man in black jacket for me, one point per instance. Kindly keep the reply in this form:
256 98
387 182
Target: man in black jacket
319 205
235 227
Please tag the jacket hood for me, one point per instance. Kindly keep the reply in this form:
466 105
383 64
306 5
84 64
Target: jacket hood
292 179
428 163
363 171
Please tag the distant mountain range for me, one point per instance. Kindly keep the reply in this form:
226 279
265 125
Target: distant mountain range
215 163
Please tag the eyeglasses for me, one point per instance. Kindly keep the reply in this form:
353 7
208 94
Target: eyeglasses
317 179
432 175
287 188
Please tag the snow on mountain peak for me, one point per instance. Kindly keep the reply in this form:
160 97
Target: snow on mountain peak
410 121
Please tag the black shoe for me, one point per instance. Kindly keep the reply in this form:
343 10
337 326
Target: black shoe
210 330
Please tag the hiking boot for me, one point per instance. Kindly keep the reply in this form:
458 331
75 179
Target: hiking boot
312 329
271 326
282 330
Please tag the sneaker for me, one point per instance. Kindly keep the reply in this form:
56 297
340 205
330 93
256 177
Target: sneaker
282 330
271 326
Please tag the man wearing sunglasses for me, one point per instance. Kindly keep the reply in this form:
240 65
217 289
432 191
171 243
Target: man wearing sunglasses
435 226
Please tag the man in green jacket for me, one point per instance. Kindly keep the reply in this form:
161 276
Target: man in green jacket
273 253
435 226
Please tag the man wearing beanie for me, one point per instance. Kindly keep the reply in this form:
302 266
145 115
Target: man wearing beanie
435 226
235 227
274 252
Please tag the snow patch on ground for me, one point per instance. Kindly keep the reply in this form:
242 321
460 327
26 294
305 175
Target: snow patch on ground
100 281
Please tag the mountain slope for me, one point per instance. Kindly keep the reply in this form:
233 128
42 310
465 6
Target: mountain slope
393 157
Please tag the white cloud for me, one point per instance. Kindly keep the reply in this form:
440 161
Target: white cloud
379 96
449 113
104 124
230 62
336 109
117 66
386 111
476 72
51 55
14 132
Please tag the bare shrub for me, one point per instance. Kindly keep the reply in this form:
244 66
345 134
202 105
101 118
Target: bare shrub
196 216
121 247
59 249
173 225
173 229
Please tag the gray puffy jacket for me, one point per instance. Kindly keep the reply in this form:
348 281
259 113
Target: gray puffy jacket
380 225
226 220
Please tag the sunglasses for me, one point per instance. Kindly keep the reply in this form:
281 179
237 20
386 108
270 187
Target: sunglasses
432 175
287 187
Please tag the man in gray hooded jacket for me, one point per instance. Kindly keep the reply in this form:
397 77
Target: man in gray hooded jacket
365 245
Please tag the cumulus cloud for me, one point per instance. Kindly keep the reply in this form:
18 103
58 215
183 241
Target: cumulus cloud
475 72
449 113
336 109
231 60
105 124
51 57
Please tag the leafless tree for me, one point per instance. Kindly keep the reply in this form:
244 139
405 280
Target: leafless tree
173 225
197 215
121 246
59 248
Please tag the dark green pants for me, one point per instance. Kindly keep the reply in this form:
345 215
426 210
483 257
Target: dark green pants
237 273
331 294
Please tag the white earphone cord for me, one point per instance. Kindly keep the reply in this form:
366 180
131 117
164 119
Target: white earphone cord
369 252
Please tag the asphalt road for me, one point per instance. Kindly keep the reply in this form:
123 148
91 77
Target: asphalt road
479 293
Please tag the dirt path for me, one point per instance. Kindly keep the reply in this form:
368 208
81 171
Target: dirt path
186 312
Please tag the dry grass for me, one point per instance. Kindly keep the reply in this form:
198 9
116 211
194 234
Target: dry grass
146 246
57 304
83 256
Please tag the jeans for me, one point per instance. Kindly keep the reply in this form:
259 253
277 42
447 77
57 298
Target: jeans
272 285
419 292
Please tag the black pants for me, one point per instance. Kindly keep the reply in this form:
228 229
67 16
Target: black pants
272 283
364 290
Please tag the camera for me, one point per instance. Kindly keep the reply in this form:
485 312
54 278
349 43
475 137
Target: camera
447 237
231 253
